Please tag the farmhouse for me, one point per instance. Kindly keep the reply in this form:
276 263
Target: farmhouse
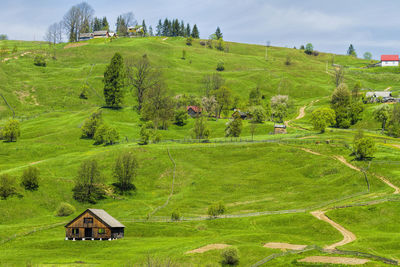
101 34
380 96
243 115
85 36
94 224
389 60
280 129
193 110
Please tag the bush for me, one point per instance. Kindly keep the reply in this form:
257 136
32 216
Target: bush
183 54
91 124
30 179
189 41
202 43
230 256
7 186
175 216
288 61
146 132
84 92
65 209
258 114
315 53
181 117
220 45
11 131
220 66
210 43
40 61
216 209
106 135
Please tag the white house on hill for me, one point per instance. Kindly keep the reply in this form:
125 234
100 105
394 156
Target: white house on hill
389 60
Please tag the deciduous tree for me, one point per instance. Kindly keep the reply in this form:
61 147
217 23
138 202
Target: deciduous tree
88 187
11 131
381 114
30 178
125 171
322 118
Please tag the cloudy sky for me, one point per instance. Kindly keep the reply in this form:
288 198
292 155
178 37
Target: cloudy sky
369 25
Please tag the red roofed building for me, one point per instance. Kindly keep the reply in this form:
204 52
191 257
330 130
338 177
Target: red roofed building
389 60
193 110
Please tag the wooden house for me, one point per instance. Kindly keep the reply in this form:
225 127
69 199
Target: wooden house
241 114
280 129
193 111
101 34
85 36
94 224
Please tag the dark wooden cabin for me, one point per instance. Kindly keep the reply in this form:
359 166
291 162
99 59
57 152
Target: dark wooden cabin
94 224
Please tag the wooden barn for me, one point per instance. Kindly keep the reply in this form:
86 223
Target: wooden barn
94 224
280 129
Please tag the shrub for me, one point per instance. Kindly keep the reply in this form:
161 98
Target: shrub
40 61
11 131
181 117
258 114
288 61
309 49
315 53
7 186
30 179
202 43
175 216
189 41
183 54
220 66
210 43
230 256
106 135
84 92
65 209
322 118
125 171
156 137
220 45
216 209
91 124
146 131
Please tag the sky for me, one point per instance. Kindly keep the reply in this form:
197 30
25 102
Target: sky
331 26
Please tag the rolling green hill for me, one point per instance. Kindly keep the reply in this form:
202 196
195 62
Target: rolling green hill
268 186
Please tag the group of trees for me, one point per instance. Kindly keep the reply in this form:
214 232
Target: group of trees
95 128
78 19
11 131
90 183
389 118
29 181
125 21
175 28
100 24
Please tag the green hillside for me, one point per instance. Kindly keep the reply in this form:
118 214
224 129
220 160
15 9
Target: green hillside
269 184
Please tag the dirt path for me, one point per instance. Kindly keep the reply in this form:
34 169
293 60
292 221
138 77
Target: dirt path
16 57
311 152
383 179
302 113
284 246
207 248
334 260
388 89
347 235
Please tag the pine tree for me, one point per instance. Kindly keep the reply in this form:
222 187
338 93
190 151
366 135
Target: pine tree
144 28
151 33
105 25
114 82
351 51
97 24
182 29
159 28
188 31
218 33
165 28
195 32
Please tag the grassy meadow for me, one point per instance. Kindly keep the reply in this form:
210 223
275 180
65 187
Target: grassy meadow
273 173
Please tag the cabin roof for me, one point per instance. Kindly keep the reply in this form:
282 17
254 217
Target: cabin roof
83 35
390 58
100 33
103 216
194 108
379 94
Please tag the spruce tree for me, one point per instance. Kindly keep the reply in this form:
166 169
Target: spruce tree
114 82
151 33
218 33
159 28
182 29
105 25
144 28
351 51
188 32
195 32
165 28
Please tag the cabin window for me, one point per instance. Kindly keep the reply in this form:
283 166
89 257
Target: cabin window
75 231
102 231
88 220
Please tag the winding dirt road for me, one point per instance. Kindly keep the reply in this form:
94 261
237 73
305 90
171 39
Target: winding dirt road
348 236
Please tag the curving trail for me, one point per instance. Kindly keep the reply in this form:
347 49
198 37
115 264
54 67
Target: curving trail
348 236
302 114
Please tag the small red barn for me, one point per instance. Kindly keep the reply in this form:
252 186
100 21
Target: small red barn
389 60
193 111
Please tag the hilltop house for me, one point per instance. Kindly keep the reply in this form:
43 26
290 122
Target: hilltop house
193 111
380 96
101 34
94 224
389 60
85 36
